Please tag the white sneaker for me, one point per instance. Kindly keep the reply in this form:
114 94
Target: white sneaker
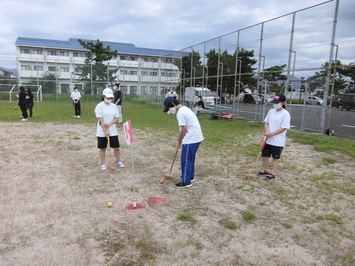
120 164
78 116
24 119
103 167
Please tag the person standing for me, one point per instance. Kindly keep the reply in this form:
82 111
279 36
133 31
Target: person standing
171 94
107 115
75 95
29 101
118 101
190 138
276 124
200 105
22 103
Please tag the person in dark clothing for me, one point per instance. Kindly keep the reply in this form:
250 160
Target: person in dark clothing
22 103
200 105
29 101
118 101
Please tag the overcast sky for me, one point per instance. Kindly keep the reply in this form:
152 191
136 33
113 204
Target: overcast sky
164 24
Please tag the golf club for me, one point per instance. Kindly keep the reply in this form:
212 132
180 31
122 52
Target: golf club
169 176
252 173
109 154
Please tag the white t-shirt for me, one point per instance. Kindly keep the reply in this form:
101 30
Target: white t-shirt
75 95
108 112
276 120
171 94
186 117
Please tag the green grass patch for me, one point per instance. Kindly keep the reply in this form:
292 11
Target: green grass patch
327 161
187 217
324 143
248 216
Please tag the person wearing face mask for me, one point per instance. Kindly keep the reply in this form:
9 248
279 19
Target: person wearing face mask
107 115
276 124
190 138
75 96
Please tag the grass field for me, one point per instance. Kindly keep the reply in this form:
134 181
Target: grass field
148 116
53 196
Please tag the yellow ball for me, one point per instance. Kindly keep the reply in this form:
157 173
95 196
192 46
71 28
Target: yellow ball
109 204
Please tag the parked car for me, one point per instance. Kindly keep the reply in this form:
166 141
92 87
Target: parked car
314 100
344 101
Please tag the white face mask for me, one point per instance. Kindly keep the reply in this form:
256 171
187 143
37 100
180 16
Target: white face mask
107 100
172 110
277 106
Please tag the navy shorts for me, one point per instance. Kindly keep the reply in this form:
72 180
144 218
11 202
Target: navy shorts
102 142
269 150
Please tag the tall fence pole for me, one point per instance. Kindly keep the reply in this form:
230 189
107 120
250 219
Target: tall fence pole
329 68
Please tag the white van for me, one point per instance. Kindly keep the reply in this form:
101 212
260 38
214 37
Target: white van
192 93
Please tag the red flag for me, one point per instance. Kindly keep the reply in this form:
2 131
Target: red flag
127 129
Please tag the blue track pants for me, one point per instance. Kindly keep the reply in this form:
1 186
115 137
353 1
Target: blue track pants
188 155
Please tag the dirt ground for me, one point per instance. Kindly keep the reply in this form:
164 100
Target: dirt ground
53 204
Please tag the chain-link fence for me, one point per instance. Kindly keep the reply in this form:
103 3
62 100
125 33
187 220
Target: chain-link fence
308 55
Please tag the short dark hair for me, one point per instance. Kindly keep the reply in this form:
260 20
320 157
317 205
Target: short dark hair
117 84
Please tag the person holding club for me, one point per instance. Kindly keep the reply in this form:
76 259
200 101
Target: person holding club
276 124
190 138
107 115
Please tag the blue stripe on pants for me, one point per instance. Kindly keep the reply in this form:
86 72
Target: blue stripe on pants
188 155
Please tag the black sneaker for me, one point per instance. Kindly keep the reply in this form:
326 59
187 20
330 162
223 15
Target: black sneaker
263 173
270 177
182 185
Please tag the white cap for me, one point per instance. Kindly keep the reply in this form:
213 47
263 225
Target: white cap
107 93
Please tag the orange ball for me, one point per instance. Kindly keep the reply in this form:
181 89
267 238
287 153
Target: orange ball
162 181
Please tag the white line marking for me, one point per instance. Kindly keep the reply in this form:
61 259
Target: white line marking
348 126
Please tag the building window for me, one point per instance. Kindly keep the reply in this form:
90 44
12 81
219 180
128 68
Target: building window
133 73
154 74
25 51
144 90
64 53
38 68
145 59
123 89
144 73
52 52
25 67
133 58
37 52
64 88
52 69
153 59
64 69
172 75
154 90
123 57
123 72
75 54
78 70
163 74
133 90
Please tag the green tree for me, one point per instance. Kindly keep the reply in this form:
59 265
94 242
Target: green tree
319 78
48 81
348 71
274 75
95 68
227 68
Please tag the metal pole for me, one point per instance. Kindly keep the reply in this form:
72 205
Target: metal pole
259 68
329 69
